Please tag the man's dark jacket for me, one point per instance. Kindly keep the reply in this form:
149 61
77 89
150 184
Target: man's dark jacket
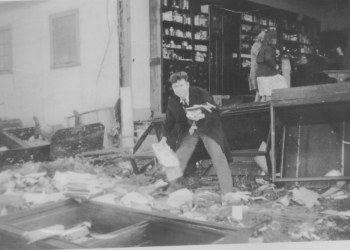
210 125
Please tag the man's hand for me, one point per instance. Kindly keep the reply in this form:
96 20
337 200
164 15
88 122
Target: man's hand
207 106
163 141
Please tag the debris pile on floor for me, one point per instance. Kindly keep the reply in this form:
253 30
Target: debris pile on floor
270 214
35 142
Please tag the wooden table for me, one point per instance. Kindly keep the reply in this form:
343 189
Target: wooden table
316 132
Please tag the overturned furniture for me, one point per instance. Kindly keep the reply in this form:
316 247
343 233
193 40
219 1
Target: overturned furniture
19 147
69 142
245 125
120 226
316 132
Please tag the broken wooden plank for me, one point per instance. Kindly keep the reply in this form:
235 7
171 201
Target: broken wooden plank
20 143
130 227
317 94
126 237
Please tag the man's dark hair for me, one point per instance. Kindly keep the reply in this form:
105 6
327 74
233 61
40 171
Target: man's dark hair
177 76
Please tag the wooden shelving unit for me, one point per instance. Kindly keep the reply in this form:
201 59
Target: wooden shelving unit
213 45
185 43
292 35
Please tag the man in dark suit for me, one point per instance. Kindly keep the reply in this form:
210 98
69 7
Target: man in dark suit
202 123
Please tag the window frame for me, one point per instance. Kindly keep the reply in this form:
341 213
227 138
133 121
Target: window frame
10 69
56 65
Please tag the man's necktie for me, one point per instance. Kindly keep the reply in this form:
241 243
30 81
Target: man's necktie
184 103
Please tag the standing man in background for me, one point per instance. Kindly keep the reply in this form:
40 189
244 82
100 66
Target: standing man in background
203 123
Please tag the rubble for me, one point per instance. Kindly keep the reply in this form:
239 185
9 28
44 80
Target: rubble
168 159
342 214
35 142
43 233
305 197
291 213
42 198
206 198
180 198
236 197
237 212
138 201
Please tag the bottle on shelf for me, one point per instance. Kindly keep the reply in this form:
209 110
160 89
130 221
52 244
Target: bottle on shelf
201 20
171 31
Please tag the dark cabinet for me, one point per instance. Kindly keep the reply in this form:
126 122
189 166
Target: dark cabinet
204 42
224 42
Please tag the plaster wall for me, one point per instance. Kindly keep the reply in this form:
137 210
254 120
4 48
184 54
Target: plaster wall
34 88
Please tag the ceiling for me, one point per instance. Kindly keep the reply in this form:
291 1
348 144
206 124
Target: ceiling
333 4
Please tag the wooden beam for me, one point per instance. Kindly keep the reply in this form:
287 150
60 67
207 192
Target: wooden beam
155 57
124 32
15 140
127 140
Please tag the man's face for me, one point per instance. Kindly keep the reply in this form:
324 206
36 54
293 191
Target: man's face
181 88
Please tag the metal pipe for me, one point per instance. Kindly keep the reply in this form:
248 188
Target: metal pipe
273 146
343 148
323 178
298 150
283 149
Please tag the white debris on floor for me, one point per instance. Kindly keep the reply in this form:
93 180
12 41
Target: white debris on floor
270 214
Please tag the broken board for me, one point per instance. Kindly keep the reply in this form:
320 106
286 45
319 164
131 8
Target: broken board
19 150
126 227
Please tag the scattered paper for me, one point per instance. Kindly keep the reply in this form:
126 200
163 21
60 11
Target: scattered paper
43 233
80 186
180 197
168 159
285 201
305 231
41 198
342 214
237 212
77 232
236 197
138 201
305 197
29 168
